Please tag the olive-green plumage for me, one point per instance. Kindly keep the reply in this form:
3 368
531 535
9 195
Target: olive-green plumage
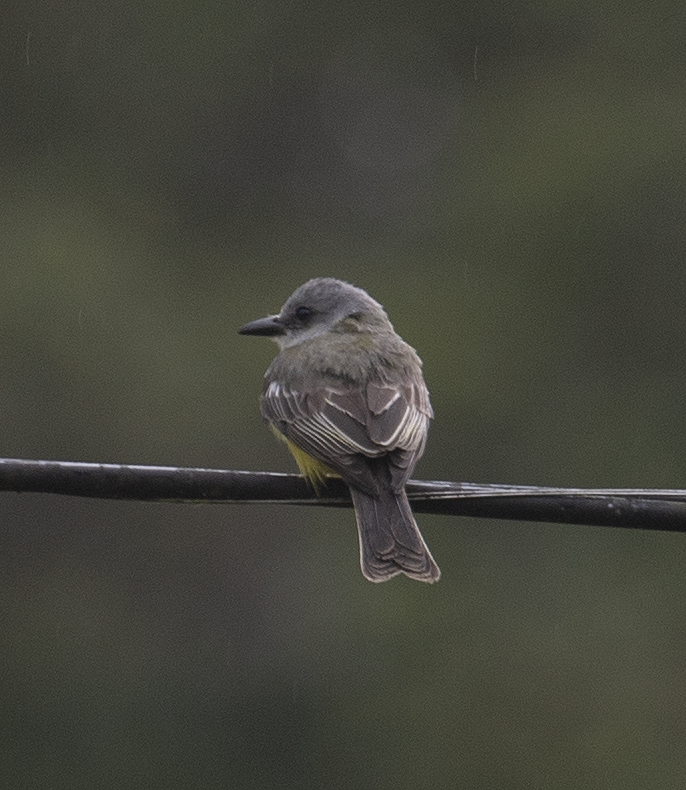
348 396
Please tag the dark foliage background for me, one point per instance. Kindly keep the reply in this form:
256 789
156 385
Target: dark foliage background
509 182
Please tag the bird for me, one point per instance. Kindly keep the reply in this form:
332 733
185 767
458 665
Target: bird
347 395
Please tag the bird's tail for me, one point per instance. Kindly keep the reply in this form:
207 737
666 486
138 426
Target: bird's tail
390 541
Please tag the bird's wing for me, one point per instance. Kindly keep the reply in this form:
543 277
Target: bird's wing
343 427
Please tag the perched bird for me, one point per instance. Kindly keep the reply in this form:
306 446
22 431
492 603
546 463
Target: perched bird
347 395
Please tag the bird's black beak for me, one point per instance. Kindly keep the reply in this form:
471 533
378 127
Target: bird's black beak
267 327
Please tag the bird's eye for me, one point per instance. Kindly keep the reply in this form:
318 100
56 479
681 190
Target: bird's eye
303 313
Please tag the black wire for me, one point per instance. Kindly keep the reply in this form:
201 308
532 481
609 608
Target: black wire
627 508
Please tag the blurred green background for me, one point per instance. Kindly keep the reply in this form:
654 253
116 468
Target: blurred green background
508 180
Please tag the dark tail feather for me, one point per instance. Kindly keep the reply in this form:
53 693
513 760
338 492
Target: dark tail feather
390 541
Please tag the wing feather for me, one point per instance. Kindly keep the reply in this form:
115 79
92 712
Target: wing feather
344 426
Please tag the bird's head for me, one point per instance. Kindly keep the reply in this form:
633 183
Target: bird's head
319 306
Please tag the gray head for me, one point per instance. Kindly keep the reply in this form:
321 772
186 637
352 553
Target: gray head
319 306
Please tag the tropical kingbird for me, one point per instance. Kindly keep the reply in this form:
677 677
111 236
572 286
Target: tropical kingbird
347 395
